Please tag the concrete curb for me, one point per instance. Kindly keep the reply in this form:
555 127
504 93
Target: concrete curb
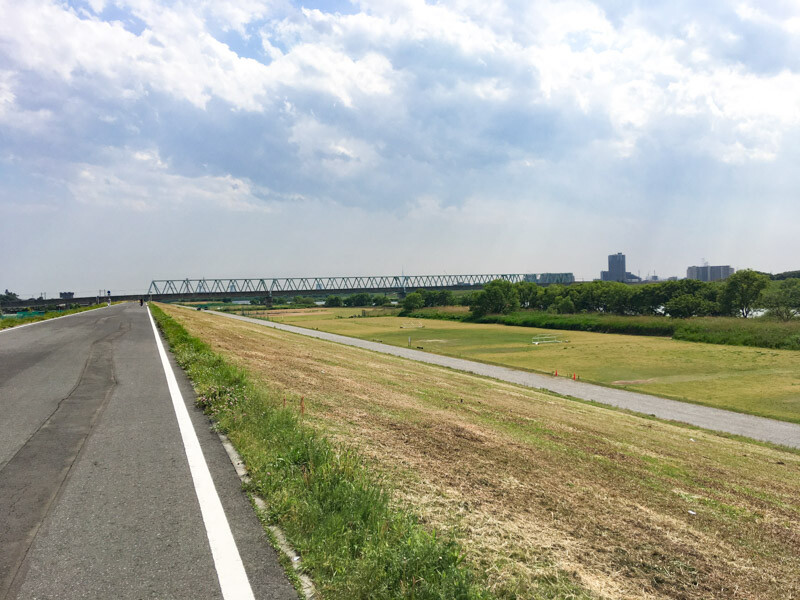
308 591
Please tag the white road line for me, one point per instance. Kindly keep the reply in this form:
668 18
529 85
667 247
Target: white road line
230 570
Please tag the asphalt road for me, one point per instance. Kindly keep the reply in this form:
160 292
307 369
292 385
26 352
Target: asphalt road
759 428
97 498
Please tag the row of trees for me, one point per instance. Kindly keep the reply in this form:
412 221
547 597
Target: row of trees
428 299
739 295
8 297
361 299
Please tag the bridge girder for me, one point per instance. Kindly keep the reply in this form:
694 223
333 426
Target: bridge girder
331 285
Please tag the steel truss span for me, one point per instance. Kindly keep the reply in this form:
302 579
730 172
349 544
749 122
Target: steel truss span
318 285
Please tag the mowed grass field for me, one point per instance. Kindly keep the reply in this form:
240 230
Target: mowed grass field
751 380
550 498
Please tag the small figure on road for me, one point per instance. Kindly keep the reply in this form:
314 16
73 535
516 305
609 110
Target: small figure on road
141 302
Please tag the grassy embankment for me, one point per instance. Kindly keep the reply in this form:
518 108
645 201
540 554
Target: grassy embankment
548 496
760 332
309 314
750 380
339 516
7 322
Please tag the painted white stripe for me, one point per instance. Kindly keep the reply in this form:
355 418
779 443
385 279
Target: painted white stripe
230 570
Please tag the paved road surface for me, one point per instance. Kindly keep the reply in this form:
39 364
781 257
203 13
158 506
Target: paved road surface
97 499
769 430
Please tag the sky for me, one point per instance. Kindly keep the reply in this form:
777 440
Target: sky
154 139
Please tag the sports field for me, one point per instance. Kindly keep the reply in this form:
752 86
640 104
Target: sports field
550 498
751 380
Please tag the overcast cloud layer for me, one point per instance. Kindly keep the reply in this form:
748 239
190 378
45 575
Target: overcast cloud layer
142 139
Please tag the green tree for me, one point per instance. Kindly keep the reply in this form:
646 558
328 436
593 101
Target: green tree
333 301
685 306
782 298
445 298
8 297
428 297
565 306
498 296
413 302
550 295
303 301
618 297
743 290
381 300
777 276
360 299
647 299
528 293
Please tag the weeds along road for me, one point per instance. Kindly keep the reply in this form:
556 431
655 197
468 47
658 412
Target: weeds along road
97 496
759 428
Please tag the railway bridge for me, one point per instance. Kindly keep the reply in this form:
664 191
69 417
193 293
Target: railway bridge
168 290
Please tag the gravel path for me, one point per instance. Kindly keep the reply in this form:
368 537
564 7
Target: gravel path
760 428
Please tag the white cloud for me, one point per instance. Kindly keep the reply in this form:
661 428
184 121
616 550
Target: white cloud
14 116
139 180
322 145
789 21
547 54
427 125
176 55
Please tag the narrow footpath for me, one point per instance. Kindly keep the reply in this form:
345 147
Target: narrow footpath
715 419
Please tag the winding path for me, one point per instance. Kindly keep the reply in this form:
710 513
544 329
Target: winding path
715 419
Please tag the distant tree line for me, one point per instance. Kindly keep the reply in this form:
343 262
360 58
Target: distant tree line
740 294
428 299
8 297
785 275
356 300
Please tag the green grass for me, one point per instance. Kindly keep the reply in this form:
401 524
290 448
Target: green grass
336 513
552 498
751 380
731 331
7 322
658 326
761 332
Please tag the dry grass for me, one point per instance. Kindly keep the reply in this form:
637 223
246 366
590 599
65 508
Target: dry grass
759 381
543 489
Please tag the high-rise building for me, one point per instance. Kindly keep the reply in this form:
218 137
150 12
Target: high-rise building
709 273
616 268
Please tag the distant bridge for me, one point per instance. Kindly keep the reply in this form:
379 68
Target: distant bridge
292 286
211 289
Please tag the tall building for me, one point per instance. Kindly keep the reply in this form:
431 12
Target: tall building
709 273
616 268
